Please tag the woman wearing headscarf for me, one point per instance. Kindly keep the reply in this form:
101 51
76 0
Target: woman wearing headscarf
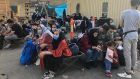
94 52
53 57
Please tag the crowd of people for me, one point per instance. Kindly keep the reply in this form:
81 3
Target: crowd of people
100 40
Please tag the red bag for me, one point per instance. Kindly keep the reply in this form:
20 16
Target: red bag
115 56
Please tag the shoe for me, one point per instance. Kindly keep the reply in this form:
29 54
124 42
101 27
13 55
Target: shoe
132 72
3 76
108 74
47 75
51 72
7 46
51 75
125 75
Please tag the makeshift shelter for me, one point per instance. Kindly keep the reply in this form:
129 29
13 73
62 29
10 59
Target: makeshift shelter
59 9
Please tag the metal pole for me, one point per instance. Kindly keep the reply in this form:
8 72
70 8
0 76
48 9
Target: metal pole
6 7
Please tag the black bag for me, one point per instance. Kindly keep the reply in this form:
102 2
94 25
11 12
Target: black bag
121 57
115 65
138 45
1 41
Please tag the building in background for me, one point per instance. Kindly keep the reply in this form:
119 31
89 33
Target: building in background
23 8
12 8
98 8
4 9
111 8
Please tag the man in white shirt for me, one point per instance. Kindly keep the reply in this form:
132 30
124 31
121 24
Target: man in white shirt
130 19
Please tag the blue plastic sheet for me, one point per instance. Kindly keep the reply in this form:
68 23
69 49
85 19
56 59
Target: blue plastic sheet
59 9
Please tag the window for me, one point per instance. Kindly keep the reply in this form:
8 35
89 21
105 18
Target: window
105 9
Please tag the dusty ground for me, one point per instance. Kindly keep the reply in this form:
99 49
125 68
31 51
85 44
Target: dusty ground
9 64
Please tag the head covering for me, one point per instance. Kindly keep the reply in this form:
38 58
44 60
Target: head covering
35 23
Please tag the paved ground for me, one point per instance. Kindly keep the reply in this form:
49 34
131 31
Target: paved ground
9 64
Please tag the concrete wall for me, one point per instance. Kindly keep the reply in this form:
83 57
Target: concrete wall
94 7
116 7
3 8
20 6
87 7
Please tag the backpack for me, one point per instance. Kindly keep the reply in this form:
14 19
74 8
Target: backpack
29 53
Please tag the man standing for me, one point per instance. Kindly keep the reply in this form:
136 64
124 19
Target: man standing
130 19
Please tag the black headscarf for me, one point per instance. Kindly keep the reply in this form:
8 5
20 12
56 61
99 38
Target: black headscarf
56 43
93 40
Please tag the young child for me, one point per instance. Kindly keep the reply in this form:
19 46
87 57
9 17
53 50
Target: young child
109 58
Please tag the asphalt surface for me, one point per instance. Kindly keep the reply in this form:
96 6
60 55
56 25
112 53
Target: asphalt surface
9 65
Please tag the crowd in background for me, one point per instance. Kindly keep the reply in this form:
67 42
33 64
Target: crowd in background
47 39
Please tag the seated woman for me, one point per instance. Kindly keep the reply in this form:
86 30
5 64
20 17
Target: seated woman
90 46
2 32
84 44
53 57
46 41
94 52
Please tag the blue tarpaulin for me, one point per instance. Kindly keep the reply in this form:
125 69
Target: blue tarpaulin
59 9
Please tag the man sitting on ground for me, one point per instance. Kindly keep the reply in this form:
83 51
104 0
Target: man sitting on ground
14 32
